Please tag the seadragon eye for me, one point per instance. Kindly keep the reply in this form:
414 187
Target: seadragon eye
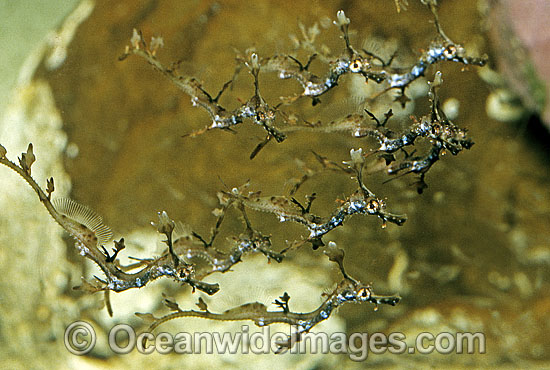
450 51
373 206
363 293
356 66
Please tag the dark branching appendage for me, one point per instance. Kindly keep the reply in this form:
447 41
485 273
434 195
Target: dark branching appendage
91 235
255 108
434 128
360 202
351 61
348 290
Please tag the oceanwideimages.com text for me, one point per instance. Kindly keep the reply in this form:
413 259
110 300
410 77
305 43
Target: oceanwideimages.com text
80 339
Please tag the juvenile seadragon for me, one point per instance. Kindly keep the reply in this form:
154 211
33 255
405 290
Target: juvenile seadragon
90 234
